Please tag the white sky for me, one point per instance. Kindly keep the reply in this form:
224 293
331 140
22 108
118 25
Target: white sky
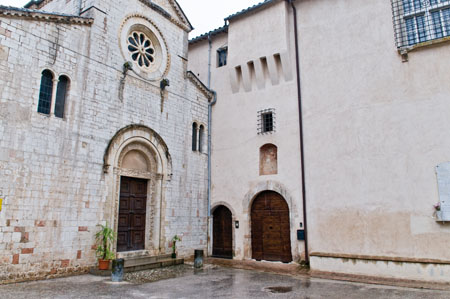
204 15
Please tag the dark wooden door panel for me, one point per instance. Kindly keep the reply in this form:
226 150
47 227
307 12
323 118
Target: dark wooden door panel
222 233
270 228
132 214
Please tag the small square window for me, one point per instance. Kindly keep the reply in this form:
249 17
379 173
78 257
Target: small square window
266 121
222 54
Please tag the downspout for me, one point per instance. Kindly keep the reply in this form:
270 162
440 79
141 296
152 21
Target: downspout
300 123
80 4
208 241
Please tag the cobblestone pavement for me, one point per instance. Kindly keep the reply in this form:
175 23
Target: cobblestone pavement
211 282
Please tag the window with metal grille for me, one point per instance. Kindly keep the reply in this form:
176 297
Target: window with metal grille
222 57
418 21
266 121
61 94
45 93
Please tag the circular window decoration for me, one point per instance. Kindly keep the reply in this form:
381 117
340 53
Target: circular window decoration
142 44
141 49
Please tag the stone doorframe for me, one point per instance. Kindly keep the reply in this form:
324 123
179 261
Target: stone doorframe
247 207
153 164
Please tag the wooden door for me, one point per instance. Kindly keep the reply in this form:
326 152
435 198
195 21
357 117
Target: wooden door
271 239
132 212
222 233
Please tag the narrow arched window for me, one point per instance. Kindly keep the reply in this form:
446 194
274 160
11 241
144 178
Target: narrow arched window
194 137
61 94
45 93
201 138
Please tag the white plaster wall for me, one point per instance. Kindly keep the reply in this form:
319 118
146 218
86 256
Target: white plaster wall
375 128
235 142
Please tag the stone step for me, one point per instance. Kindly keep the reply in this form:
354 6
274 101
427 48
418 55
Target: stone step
154 265
143 260
139 264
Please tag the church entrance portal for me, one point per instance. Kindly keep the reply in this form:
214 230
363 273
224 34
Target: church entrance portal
270 228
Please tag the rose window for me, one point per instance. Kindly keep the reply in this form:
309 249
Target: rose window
141 49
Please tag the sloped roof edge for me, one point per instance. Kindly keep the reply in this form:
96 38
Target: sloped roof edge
210 33
202 87
47 16
250 9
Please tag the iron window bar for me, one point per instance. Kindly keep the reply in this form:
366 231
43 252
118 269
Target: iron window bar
266 121
418 22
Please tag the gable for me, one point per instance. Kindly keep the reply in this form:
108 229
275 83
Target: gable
172 8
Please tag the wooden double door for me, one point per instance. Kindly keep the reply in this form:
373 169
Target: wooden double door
222 233
132 214
270 225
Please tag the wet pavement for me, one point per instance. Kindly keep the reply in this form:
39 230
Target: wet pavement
211 282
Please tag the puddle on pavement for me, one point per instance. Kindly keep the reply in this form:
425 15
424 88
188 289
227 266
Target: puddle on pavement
279 290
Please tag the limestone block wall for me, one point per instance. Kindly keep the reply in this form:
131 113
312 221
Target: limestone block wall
53 182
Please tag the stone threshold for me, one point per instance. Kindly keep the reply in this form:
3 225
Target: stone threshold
264 266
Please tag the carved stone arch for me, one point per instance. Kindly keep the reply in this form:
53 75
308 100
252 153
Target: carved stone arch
138 155
266 186
225 204
147 138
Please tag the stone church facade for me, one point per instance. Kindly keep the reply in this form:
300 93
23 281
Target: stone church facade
374 95
96 117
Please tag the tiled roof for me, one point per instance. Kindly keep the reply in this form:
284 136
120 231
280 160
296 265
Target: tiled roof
230 17
210 33
37 2
251 8
38 14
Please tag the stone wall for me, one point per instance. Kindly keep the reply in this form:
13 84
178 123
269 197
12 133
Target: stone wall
54 188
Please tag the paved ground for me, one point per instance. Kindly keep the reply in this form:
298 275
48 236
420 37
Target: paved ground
212 282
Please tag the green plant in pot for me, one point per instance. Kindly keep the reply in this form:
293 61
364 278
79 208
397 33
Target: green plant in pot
104 239
174 246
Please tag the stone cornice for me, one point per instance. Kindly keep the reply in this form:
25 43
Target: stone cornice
199 84
43 16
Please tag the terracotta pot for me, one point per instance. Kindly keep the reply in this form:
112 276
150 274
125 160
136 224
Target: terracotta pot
103 264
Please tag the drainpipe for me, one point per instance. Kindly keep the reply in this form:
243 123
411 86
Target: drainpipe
208 241
80 4
300 123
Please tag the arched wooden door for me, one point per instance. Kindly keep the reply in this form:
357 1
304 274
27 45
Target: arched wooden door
271 239
222 233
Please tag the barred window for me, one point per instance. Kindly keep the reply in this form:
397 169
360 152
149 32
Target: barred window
61 94
266 121
418 21
45 93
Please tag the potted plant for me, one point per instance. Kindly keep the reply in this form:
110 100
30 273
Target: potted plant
104 238
174 246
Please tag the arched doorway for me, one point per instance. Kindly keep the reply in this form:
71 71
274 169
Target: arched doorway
222 233
270 226
137 165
